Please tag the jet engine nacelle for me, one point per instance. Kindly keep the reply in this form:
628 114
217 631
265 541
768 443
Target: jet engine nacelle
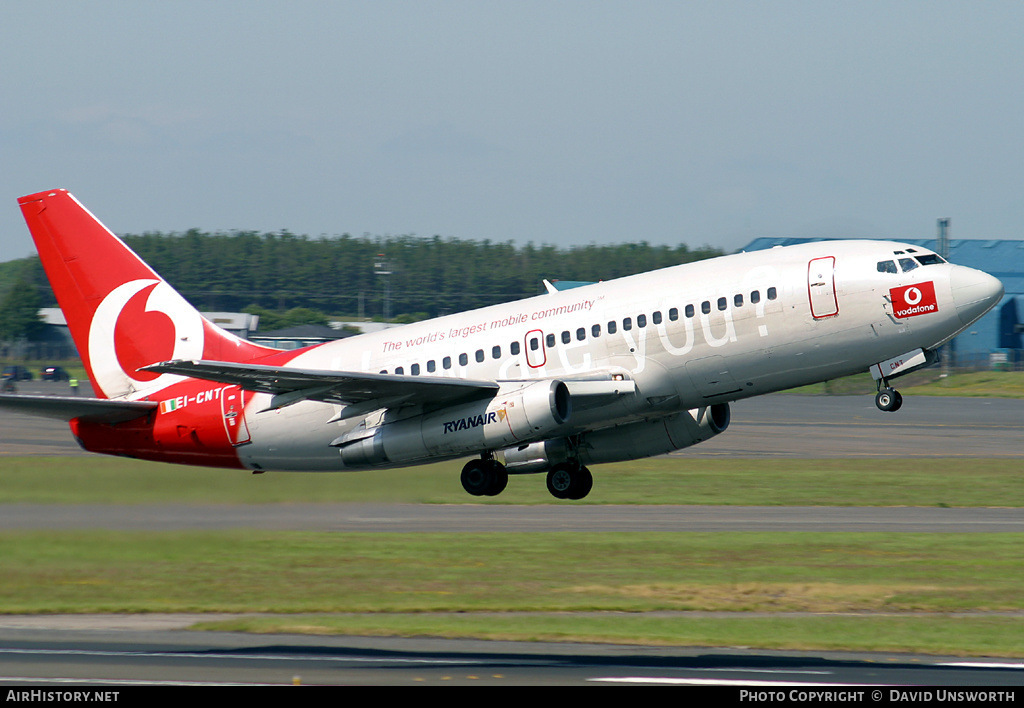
625 442
518 413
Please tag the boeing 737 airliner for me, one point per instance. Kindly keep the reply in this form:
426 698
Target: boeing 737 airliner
610 371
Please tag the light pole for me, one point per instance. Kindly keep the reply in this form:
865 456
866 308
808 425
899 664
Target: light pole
382 267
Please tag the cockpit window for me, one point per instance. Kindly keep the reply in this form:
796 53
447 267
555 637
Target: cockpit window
927 259
908 264
887 267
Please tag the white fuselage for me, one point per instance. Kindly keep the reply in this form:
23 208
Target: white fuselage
687 336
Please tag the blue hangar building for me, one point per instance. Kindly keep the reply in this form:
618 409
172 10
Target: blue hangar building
997 339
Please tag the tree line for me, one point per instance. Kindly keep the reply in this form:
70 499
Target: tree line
413 277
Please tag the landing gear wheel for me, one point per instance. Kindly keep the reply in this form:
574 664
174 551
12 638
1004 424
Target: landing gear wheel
569 481
889 400
499 478
484 478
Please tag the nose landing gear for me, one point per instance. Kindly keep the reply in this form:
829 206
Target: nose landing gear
887 399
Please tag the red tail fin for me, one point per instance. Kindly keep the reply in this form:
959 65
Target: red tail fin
122 315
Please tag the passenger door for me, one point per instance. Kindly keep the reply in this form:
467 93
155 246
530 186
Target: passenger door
821 287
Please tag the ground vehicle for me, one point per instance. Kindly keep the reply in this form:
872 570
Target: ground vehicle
54 373
17 373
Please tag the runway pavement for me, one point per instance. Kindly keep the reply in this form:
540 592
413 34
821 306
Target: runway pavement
57 658
471 518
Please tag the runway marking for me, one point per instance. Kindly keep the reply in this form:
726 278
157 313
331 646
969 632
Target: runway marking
123 682
214 654
647 680
983 665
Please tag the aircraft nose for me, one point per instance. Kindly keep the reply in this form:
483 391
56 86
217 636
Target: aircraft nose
974 292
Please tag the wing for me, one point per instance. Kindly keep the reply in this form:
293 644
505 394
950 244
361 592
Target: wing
345 388
97 410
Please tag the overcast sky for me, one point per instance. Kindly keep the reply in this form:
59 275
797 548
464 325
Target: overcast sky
558 122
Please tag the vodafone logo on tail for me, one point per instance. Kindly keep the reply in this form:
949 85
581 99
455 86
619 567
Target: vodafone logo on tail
125 335
914 300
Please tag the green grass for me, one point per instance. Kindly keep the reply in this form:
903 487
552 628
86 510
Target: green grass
928 382
676 480
198 571
546 586
981 384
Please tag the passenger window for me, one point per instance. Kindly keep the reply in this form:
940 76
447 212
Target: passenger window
705 307
690 312
447 362
722 303
656 317
534 344
463 359
755 297
908 264
641 320
738 301
399 370
431 366
550 340
479 355
581 334
772 293
611 327
627 324
673 314
514 348
414 369
595 331
887 267
495 352
566 337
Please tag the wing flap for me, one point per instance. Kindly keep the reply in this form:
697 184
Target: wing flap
289 385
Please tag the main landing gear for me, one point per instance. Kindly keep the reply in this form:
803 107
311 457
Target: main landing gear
569 480
887 399
484 478
487 477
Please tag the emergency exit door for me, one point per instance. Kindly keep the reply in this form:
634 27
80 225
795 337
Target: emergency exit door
232 408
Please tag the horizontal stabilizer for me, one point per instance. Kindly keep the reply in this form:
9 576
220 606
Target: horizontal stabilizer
338 387
94 410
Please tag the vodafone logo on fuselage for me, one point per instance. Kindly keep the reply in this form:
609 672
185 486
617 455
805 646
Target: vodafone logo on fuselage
913 300
141 322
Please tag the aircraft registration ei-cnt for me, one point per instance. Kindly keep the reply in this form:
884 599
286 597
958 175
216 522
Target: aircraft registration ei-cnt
610 371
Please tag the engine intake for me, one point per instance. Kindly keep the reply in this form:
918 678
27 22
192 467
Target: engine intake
625 442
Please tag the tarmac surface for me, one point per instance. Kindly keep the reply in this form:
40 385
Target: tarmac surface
61 659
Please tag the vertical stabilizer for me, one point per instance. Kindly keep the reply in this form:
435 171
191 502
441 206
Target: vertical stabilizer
121 314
